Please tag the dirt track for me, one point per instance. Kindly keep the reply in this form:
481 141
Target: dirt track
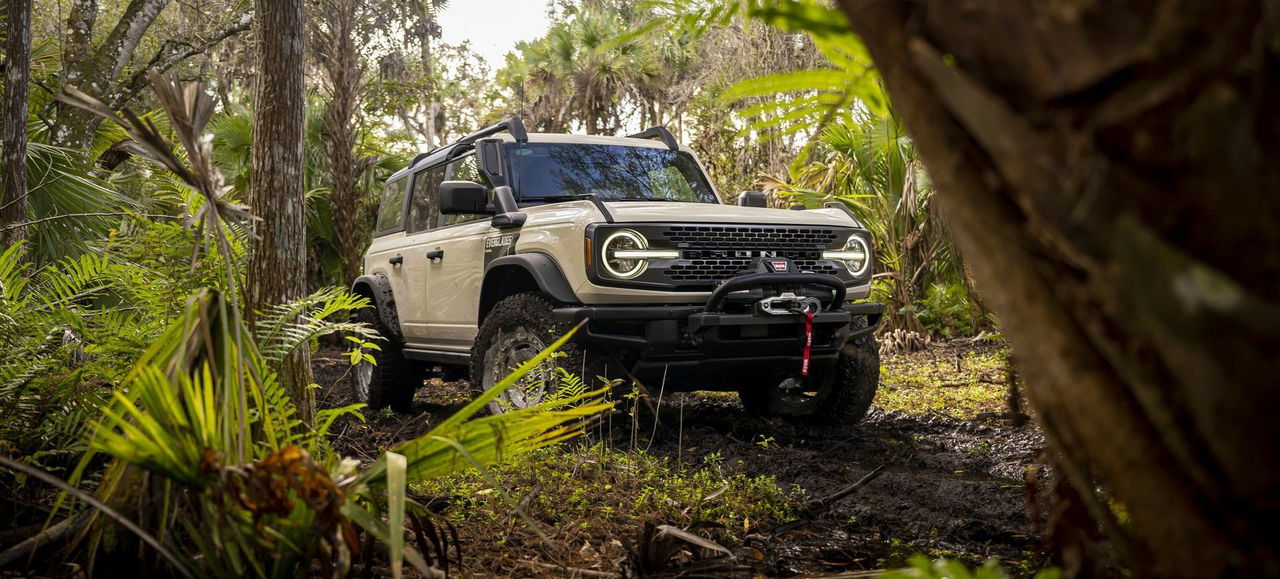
950 487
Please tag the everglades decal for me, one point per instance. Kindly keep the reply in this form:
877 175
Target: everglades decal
499 246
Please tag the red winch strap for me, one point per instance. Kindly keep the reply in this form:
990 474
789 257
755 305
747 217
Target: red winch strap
808 342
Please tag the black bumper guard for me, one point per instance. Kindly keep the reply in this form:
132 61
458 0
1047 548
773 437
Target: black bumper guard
656 329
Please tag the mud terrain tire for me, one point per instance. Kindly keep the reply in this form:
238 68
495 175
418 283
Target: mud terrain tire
524 325
842 399
390 382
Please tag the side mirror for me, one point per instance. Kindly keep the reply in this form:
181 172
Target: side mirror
464 198
753 199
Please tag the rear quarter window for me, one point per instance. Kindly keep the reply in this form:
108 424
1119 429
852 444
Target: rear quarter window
391 208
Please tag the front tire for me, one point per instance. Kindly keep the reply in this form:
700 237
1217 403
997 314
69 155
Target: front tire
516 330
393 379
839 395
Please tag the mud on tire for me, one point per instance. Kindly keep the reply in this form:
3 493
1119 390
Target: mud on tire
393 380
842 399
516 329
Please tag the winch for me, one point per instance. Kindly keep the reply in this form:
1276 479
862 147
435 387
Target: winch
788 303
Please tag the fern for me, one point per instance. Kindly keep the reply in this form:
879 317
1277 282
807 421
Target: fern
76 322
570 385
285 327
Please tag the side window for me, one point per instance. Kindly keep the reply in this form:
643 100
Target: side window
423 207
465 169
391 208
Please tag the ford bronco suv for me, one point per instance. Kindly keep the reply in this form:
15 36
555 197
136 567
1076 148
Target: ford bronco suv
490 248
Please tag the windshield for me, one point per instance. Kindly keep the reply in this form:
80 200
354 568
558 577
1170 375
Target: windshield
561 171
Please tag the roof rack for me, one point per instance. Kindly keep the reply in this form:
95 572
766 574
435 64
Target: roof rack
508 125
511 125
659 133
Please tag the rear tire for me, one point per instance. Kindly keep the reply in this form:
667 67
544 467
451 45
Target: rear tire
393 379
841 394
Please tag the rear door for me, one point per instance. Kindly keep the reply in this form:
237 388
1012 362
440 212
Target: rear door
386 253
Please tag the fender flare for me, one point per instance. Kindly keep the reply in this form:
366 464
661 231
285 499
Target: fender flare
543 269
377 288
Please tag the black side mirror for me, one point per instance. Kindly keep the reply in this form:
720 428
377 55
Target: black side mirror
508 213
753 199
464 198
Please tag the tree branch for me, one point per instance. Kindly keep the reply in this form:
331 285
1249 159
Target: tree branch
162 63
117 50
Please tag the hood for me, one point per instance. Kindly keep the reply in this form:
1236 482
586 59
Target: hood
670 212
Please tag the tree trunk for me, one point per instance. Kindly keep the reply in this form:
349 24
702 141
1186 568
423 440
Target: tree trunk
342 68
277 261
13 133
1109 171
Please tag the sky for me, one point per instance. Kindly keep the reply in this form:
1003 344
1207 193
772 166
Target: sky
493 26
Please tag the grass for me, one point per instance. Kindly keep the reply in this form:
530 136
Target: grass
590 496
591 482
957 383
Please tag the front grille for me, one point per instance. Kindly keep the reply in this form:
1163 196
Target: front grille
716 270
712 253
746 237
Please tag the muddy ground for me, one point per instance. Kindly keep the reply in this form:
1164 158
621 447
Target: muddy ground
950 486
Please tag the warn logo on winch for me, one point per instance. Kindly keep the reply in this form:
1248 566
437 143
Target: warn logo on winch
778 265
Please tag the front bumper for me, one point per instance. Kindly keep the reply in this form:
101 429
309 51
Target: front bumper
727 335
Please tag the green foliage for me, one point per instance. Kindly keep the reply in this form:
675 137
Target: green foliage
922 568
588 484
938 380
868 162
569 385
286 327
244 487
806 101
232 138
68 330
949 312
581 71
69 204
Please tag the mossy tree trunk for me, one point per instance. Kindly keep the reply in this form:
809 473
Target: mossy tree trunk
278 259
1109 171
13 132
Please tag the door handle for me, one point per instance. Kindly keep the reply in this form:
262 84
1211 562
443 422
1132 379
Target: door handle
435 254
397 260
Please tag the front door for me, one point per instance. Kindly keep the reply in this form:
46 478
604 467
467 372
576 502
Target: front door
455 268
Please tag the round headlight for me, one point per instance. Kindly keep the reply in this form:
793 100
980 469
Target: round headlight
856 255
624 241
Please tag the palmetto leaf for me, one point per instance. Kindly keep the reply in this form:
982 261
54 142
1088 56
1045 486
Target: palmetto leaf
491 438
806 101
180 419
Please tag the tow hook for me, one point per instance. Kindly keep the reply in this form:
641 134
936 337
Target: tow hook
788 303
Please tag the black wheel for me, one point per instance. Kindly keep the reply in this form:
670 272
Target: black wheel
393 379
516 330
838 395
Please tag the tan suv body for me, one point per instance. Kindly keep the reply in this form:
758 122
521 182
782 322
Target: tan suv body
680 290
